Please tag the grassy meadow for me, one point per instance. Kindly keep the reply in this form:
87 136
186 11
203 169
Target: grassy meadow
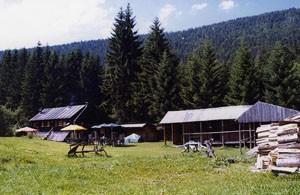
32 166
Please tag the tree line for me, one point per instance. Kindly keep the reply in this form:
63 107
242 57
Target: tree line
140 81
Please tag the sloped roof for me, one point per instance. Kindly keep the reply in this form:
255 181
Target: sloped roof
138 125
265 112
66 112
207 114
259 112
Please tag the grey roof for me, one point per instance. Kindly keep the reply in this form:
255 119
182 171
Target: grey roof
265 112
259 112
58 136
138 125
207 114
57 113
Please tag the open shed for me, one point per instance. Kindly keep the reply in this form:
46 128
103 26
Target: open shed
230 125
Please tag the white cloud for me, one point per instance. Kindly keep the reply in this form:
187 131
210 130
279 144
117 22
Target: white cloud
25 22
199 6
165 12
227 4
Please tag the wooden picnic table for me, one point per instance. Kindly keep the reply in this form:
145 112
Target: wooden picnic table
75 149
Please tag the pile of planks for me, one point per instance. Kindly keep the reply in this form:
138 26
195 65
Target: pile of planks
288 158
278 147
267 142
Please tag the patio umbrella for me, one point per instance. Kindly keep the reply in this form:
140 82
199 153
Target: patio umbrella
26 129
74 128
111 126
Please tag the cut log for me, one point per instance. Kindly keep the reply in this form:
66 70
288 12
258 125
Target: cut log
288 138
291 162
291 145
288 126
288 151
288 131
284 169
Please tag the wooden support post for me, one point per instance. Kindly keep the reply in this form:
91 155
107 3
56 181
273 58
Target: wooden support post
165 138
250 135
223 142
240 138
183 137
172 132
201 136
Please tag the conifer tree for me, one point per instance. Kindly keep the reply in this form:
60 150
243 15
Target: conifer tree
5 76
167 94
241 82
210 78
52 82
283 86
32 85
189 76
72 88
122 63
155 45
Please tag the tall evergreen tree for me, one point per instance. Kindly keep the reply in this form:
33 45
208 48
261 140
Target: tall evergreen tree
32 85
210 78
283 85
5 76
155 45
72 88
167 94
52 82
241 82
122 63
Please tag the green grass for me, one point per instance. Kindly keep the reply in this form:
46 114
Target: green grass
31 166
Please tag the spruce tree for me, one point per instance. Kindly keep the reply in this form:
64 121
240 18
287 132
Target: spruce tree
242 79
52 82
155 45
122 62
5 76
210 78
32 85
72 88
167 94
283 86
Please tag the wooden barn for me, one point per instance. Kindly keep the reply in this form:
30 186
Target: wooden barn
230 125
148 132
53 119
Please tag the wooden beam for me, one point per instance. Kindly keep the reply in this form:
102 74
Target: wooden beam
172 132
250 135
165 139
183 138
217 132
240 138
201 137
223 142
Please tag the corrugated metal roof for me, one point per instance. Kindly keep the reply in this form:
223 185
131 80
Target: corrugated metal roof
139 125
265 112
57 113
207 114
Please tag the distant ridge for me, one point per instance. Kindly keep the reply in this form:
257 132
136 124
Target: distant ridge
259 32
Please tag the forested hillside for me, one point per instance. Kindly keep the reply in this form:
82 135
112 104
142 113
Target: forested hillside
260 31
142 77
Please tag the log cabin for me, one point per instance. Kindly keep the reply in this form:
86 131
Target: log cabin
148 132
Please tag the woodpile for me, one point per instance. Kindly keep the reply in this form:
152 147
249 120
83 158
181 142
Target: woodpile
278 147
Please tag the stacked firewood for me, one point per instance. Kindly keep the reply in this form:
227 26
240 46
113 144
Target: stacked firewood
278 147
267 142
288 148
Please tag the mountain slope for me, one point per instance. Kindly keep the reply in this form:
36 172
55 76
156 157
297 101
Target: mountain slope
260 31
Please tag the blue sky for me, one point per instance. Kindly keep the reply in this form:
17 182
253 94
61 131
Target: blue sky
25 22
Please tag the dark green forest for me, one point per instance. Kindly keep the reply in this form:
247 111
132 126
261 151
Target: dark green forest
138 78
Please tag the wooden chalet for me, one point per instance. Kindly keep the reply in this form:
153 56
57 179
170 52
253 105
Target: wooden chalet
230 125
49 121
148 132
